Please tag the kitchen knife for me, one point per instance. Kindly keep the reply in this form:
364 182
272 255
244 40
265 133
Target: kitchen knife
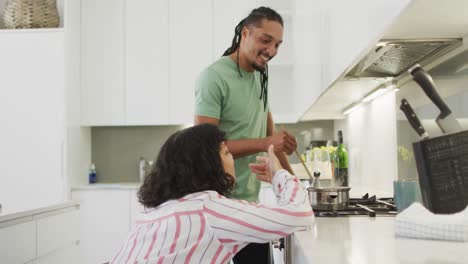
446 120
413 118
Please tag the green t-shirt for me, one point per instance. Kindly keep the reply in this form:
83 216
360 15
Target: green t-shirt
223 94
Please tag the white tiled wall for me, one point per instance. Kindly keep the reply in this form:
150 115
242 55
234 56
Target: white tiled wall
371 138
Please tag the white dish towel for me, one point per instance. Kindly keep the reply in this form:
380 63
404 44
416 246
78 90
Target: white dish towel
418 222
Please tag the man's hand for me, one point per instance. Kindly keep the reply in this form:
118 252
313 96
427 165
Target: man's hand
267 166
283 142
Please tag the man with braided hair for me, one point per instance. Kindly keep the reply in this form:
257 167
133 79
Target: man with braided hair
232 94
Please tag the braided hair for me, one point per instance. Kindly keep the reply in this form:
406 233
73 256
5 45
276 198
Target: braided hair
254 19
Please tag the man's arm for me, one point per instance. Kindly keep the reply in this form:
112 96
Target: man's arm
282 141
241 147
281 155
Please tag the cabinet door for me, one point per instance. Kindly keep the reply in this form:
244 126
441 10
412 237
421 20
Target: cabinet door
69 255
226 15
18 242
103 73
309 34
281 92
147 61
135 208
32 114
58 231
104 219
190 38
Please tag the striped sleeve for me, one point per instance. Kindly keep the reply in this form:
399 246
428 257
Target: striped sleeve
237 221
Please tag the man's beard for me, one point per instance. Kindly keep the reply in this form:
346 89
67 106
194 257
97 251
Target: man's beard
258 68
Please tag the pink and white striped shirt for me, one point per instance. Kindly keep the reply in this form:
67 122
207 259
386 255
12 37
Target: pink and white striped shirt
206 227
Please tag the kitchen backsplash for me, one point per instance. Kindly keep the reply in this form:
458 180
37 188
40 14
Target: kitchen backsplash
116 150
371 134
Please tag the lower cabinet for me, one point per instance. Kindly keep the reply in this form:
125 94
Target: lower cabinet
69 255
18 242
107 215
50 236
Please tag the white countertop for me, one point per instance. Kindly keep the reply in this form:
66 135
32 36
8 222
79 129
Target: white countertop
117 185
8 215
367 240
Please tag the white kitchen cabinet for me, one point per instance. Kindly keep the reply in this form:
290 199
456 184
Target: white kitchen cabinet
281 93
141 58
32 111
226 15
57 231
105 222
190 51
136 208
103 62
353 26
281 82
58 236
18 243
43 235
309 59
69 255
147 62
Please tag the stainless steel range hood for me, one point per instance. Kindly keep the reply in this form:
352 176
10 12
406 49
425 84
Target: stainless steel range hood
391 58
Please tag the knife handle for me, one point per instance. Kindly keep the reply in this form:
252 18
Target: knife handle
427 84
412 117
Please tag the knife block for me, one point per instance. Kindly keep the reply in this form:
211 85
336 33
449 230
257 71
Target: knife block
442 164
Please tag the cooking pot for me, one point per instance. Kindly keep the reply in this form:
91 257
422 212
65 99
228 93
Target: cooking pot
329 198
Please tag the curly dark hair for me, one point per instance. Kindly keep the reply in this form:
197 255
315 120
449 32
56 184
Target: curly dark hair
188 162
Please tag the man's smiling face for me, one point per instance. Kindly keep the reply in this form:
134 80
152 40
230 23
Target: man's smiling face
261 43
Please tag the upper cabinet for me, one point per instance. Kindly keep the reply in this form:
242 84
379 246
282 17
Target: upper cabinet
191 45
226 15
140 58
125 62
281 69
351 28
347 32
309 35
103 62
147 62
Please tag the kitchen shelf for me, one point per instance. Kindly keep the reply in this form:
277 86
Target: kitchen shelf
30 30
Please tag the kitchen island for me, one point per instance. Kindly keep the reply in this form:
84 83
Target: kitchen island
367 240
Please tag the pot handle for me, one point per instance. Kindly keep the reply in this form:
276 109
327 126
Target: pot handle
333 196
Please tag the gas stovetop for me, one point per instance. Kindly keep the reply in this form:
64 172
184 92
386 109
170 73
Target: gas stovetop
364 206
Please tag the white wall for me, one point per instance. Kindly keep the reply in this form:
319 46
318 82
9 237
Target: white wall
371 139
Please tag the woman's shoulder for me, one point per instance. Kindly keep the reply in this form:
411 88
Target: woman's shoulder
200 196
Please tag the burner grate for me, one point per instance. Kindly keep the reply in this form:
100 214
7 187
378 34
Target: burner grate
364 206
